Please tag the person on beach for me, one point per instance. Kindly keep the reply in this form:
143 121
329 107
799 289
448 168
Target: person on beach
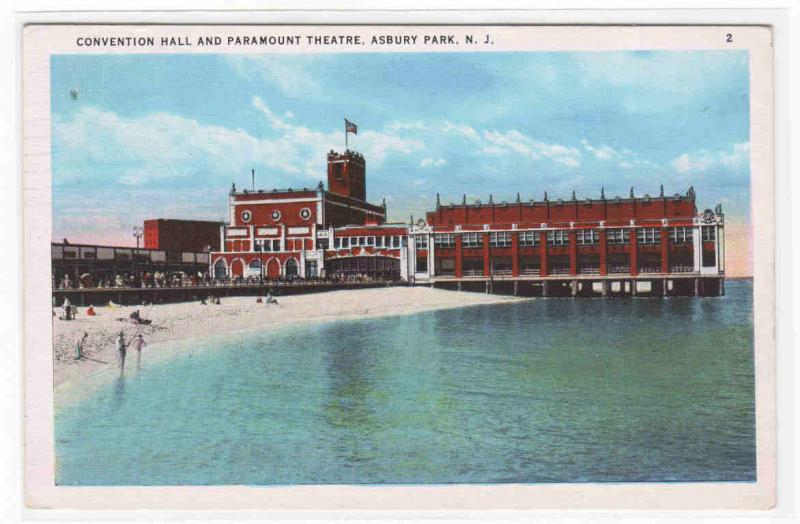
138 344
90 312
121 347
258 300
79 346
203 302
66 309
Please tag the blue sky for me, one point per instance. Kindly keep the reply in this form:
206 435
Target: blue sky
165 135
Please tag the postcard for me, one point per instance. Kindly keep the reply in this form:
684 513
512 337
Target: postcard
398 267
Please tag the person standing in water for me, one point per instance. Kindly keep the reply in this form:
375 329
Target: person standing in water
139 343
79 346
121 347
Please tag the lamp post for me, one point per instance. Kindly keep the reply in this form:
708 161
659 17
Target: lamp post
138 232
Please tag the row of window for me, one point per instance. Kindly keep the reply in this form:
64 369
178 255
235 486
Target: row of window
267 245
348 242
560 237
557 237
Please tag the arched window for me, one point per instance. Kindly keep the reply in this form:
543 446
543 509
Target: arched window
291 268
255 264
220 269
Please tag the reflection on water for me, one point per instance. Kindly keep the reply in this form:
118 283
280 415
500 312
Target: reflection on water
563 390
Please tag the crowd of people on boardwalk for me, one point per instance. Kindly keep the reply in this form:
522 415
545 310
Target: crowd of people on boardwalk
162 279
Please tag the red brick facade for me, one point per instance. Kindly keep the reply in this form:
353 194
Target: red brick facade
181 235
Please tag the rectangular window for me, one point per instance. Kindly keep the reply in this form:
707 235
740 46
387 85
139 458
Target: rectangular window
322 243
500 239
445 240
648 235
276 245
337 242
588 236
421 241
362 241
370 241
558 237
709 234
681 235
422 264
529 238
472 240
617 236
379 241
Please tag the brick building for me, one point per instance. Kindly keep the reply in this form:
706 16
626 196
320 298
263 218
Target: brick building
291 233
654 245
181 235
579 247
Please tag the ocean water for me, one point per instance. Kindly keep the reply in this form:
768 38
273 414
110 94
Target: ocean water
555 390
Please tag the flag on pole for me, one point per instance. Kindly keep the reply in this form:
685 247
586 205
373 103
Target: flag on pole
350 127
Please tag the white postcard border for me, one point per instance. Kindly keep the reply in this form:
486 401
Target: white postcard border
42 493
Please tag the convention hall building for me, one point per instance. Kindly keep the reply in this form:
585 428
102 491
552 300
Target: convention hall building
635 245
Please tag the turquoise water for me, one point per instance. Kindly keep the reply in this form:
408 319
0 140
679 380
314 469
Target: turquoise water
559 390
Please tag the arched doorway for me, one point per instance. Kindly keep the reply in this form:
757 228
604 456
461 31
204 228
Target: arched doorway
220 269
273 268
237 268
291 268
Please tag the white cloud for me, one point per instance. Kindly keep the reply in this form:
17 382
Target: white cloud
515 142
163 146
512 142
464 130
290 75
433 162
736 158
624 158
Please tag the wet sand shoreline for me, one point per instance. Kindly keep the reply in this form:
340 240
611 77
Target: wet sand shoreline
186 320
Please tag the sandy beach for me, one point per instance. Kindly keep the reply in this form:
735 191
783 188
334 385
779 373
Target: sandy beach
191 319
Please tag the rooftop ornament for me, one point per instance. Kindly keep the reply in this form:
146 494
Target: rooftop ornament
632 192
661 193
602 193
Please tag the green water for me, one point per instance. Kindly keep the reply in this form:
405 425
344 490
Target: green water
558 390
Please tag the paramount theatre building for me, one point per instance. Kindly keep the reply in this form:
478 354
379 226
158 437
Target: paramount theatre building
310 233
648 245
